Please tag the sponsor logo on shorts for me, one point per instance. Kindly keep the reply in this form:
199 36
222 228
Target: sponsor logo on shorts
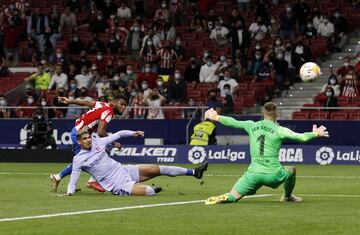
325 155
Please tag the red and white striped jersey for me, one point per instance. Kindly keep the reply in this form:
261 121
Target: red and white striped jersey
101 112
167 58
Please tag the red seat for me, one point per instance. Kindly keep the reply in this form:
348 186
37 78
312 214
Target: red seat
354 116
249 99
196 95
320 115
338 115
259 90
298 115
238 105
173 114
343 100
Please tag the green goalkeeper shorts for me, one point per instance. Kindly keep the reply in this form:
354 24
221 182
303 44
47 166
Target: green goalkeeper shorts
250 182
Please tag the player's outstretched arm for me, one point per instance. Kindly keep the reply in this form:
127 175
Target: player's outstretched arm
227 121
75 175
65 100
286 133
121 134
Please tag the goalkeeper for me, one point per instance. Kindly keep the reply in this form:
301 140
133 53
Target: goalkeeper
266 137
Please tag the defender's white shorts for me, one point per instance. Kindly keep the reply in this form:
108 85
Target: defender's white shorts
129 177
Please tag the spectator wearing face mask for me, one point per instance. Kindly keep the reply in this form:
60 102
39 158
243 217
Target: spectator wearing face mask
179 48
59 79
350 85
145 88
219 34
334 84
156 41
99 24
255 63
228 80
84 79
68 19
123 12
95 45
326 29
167 58
102 86
100 62
301 55
4 113
129 74
135 38
136 103
192 71
207 72
240 37
228 100
258 29
278 45
177 89
72 112
331 100
113 45
73 88
288 23
154 100
147 76
317 18
148 55
274 27
213 100
161 87
41 78
117 83
340 28
344 70
281 71
29 102
309 31
162 13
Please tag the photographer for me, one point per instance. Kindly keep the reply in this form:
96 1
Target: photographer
40 132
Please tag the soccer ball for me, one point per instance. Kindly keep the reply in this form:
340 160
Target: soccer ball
309 72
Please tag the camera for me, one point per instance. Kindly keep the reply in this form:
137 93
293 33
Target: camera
40 132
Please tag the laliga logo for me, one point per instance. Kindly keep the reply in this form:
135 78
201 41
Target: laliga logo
196 155
325 155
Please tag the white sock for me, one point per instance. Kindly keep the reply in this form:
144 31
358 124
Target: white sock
149 191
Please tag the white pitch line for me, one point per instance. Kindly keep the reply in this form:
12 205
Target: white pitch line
298 176
113 209
330 195
23 173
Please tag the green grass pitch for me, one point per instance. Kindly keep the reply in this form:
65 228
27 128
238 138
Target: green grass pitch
331 205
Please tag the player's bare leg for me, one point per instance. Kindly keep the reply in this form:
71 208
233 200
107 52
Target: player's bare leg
150 171
140 189
289 186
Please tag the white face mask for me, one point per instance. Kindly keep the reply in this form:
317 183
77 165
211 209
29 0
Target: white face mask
257 47
112 40
59 55
116 78
177 75
136 29
273 21
226 78
71 97
99 57
328 93
258 57
147 70
30 100
346 64
209 63
227 91
222 58
299 50
149 43
206 54
159 83
332 81
2 102
278 43
144 86
129 71
178 42
43 103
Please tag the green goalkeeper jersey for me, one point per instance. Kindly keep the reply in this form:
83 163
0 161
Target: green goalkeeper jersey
266 138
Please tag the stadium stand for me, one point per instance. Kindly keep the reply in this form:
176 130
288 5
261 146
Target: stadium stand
113 41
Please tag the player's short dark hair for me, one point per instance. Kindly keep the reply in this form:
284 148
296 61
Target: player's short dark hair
82 132
270 108
122 97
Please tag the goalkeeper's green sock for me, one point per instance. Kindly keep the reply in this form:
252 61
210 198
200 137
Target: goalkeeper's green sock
289 186
230 197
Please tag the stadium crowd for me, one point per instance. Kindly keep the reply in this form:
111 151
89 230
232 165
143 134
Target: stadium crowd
236 54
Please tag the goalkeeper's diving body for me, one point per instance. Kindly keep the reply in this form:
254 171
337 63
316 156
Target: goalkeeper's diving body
266 137
113 176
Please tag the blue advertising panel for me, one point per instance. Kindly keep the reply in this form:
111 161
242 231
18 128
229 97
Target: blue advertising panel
185 154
